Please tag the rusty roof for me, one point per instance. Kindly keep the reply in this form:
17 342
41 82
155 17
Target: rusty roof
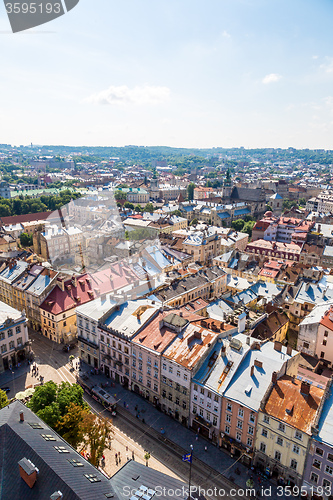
288 404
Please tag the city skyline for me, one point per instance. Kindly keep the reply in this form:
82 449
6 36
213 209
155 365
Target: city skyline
226 74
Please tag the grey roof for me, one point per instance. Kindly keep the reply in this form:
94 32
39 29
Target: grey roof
19 440
6 312
10 274
328 251
133 475
325 425
247 194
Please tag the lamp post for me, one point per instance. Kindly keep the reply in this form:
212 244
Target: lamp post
189 480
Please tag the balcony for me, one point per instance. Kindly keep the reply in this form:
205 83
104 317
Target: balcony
87 342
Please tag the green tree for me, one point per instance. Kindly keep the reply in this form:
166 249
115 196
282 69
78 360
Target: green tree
69 426
248 226
26 239
3 399
302 202
194 222
238 224
4 209
97 433
138 208
149 208
176 212
129 205
120 195
146 457
190 191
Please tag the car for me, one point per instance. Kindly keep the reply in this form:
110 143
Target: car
5 389
67 347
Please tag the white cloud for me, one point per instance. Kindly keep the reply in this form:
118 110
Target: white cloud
328 67
271 78
226 34
137 95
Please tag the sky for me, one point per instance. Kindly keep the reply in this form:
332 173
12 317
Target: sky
182 73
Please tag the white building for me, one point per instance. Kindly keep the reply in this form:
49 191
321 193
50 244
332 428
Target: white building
316 332
14 339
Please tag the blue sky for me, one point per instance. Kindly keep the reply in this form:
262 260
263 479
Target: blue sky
185 73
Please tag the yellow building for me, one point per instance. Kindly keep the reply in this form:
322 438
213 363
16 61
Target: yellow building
284 428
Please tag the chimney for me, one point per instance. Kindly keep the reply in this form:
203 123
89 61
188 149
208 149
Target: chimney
252 371
289 350
274 378
277 346
28 471
56 495
21 416
305 388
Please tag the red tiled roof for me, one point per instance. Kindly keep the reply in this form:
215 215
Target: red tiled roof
17 219
89 286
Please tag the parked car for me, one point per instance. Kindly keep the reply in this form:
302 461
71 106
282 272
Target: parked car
68 347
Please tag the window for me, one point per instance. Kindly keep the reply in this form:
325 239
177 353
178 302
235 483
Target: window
170 369
279 441
262 447
238 436
228 418
3 348
327 484
155 388
48 437
298 435
314 478
229 407
184 405
330 457
201 412
148 360
317 464
92 478
18 329
293 464
148 370
325 333
215 421
249 442
185 376
178 373
11 344
216 398
306 345
194 409
251 430
322 354
329 470
296 449
163 393
208 416
202 390
75 462
2 335
252 418
324 342
195 387
164 366
319 452
227 429
164 379
61 449
209 395
266 419
148 383
202 401
10 332
241 412
277 456
239 424
264 433
282 427
140 378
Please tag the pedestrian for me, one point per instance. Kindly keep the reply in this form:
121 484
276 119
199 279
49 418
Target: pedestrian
133 458
124 404
205 448
126 448
119 459
196 437
127 457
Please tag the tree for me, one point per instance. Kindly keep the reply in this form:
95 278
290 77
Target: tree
238 224
190 191
248 226
194 222
302 202
129 205
97 433
69 427
138 208
269 208
120 195
26 239
176 212
149 208
146 457
3 399
51 401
